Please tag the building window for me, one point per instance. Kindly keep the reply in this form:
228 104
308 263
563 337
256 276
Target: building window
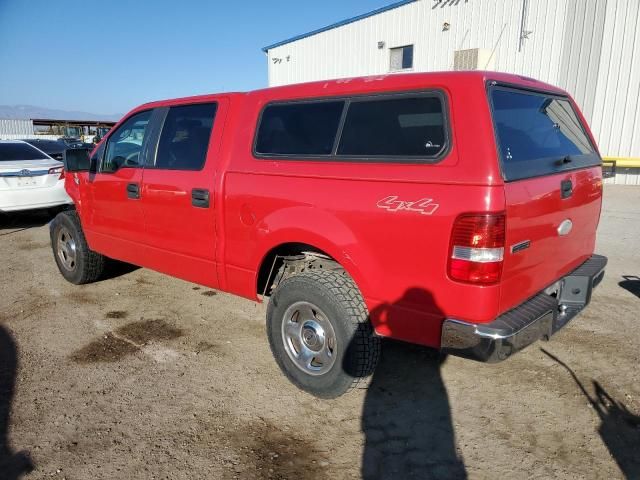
401 58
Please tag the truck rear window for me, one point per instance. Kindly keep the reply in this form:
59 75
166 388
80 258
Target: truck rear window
538 134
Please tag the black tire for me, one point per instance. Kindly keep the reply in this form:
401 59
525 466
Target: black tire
88 265
357 348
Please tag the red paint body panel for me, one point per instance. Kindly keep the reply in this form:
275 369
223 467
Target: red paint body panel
111 212
182 237
398 258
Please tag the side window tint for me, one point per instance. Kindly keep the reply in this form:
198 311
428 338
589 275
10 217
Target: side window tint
185 137
299 129
125 144
407 127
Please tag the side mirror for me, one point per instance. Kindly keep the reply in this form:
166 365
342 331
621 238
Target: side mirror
76 159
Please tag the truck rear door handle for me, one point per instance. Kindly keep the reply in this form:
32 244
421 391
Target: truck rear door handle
133 190
200 198
566 188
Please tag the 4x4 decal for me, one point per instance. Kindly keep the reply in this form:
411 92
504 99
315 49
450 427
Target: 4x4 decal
424 206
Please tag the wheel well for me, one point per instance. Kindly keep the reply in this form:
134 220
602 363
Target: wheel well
290 256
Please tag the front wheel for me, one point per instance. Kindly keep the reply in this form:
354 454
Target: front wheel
77 263
320 334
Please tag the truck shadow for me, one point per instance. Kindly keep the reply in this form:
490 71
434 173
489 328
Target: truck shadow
631 283
12 466
406 418
114 269
619 428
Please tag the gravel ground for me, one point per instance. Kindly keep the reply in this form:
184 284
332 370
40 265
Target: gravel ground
142 376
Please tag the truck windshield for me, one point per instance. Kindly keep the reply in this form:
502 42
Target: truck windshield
538 134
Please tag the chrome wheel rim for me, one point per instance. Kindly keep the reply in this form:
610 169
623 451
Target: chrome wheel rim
66 249
309 338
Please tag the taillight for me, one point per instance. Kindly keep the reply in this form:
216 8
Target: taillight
477 248
56 171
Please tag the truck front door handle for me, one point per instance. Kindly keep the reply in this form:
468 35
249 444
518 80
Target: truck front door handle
566 188
133 191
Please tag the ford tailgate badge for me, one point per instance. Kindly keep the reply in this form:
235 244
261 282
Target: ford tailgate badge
565 227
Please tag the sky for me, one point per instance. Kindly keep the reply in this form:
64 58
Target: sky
73 55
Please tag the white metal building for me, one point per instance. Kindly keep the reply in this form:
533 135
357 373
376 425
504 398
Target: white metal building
589 47
11 129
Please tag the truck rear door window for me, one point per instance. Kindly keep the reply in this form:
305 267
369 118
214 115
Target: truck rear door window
184 140
299 128
401 126
538 134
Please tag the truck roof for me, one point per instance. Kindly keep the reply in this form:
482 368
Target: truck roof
372 83
400 80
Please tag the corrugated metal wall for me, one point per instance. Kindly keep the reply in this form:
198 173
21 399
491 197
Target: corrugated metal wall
589 47
20 129
616 114
625 176
15 128
352 50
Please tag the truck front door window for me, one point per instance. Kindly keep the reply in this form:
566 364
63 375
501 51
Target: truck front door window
125 145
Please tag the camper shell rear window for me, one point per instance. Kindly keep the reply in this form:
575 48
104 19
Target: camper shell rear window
538 133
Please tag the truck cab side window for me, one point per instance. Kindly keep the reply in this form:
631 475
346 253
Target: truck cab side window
125 144
299 129
394 127
185 137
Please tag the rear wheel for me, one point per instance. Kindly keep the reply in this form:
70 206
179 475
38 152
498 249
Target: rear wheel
320 334
76 261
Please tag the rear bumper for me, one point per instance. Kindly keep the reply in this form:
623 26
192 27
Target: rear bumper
12 200
538 317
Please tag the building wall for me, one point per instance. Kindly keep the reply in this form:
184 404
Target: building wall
616 112
589 47
352 50
15 128
20 129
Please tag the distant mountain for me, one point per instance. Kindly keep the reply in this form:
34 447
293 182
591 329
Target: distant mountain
25 112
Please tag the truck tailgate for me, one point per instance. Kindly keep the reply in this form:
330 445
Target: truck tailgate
536 253
553 188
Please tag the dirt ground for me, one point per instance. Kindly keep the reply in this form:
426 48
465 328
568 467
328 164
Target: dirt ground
142 376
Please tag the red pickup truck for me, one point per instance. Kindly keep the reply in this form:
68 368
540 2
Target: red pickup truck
456 210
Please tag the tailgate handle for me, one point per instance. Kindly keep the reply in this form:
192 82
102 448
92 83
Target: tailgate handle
133 190
200 198
566 188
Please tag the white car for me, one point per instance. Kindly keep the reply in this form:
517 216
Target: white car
29 178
